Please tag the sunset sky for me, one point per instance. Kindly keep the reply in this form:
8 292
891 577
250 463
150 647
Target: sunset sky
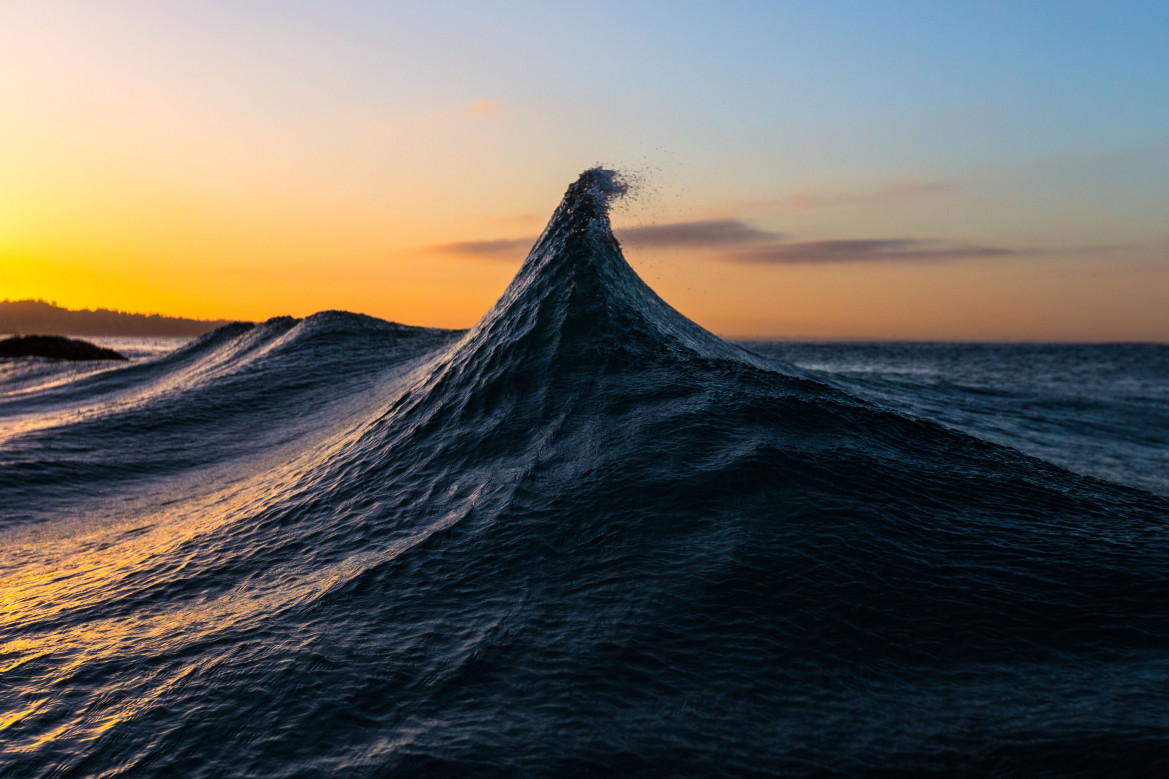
893 170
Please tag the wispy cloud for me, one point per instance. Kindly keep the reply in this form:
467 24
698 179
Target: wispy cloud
814 200
701 234
863 250
497 249
1104 248
382 126
705 233
484 107
739 242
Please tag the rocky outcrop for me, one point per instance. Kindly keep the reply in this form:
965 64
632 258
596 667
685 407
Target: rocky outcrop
55 346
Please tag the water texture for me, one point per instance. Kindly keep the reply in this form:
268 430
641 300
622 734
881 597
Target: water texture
585 537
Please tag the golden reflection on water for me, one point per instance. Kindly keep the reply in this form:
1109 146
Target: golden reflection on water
46 671
115 593
104 610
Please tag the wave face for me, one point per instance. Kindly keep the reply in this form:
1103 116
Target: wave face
585 536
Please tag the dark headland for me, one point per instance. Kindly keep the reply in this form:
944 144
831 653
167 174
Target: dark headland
41 316
55 346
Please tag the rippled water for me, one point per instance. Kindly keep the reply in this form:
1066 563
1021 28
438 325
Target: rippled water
585 536
1096 409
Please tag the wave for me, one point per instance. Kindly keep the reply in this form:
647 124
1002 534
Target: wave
584 536
1096 409
238 392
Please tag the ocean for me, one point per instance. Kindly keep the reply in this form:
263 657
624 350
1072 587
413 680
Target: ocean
584 537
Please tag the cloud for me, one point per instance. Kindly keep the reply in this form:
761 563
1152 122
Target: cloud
742 243
1104 248
895 191
703 233
498 249
484 107
863 250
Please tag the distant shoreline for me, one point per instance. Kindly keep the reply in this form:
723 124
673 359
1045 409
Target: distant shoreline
40 317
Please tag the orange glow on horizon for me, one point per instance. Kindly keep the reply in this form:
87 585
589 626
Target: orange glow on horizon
221 162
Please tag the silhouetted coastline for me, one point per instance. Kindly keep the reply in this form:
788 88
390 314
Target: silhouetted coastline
23 317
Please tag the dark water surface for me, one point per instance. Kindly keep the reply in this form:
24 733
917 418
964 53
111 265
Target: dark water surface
583 537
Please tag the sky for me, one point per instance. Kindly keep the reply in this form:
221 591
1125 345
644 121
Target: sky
805 170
